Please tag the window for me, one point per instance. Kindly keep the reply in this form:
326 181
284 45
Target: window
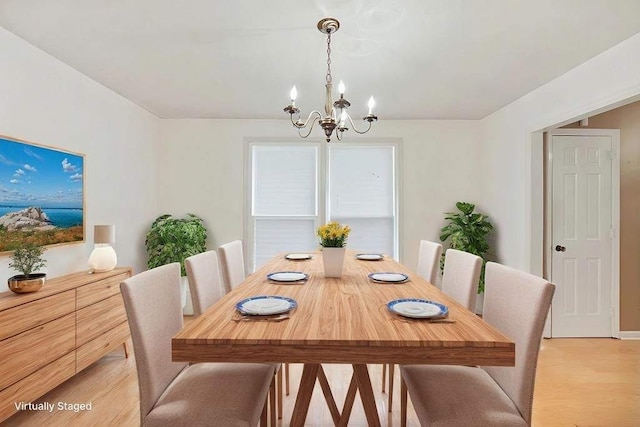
296 187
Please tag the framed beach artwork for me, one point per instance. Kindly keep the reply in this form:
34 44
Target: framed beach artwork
41 195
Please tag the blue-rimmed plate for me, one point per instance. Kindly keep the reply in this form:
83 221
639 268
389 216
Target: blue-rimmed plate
417 308
298 257
370 257
264 305
287 276
384 277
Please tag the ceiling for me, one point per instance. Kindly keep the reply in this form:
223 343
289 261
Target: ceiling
421 59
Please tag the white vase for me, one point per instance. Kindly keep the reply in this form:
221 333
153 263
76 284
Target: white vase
333 259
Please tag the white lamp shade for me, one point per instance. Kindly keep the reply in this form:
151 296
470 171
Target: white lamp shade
103 258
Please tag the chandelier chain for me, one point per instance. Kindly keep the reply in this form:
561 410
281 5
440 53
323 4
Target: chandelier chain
329 78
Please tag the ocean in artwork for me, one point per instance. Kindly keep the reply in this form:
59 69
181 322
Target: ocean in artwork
59 217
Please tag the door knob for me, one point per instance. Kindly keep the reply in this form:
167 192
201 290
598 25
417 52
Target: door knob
560 248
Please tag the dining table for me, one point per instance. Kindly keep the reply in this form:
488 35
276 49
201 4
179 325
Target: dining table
342 320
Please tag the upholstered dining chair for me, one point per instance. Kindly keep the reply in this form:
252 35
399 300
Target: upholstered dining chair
461 276
429 254
232 264
517 304
176 393
205 284
233 273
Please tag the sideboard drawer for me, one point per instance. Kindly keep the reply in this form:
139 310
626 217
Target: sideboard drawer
99 318
24 317
22 354
96 348
37 384
102 289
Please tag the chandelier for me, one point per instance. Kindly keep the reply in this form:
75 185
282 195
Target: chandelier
335 112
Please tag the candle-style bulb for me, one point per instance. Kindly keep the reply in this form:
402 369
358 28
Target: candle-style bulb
341 88
293 93
371 104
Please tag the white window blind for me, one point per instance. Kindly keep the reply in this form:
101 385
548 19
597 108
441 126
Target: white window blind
361 181
362 195
284 180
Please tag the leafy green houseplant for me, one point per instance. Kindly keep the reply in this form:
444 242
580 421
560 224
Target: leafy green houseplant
467 231
174 239
27 259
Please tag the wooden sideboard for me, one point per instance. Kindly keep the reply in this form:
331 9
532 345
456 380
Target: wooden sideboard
46 337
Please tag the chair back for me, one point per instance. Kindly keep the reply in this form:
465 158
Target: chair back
205 283
429 254
461 277
517 304
152 302
232 264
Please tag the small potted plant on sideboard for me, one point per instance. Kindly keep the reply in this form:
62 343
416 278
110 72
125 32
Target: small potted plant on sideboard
27 259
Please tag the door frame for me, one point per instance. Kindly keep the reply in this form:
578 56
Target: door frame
614 134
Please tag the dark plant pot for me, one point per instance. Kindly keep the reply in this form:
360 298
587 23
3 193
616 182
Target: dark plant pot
20 284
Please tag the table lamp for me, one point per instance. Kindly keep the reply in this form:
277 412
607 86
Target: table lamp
103 257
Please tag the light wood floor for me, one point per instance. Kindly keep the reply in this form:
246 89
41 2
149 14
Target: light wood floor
580 382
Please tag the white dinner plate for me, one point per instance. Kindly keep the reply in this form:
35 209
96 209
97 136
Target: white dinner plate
287 276
265 305
417 308
370 257
388 277
298 257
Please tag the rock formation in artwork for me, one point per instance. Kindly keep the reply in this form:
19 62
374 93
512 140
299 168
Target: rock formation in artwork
31 218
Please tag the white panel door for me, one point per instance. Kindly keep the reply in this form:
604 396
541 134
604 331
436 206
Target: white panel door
581 264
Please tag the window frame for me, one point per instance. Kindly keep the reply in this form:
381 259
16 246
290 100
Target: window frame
322 186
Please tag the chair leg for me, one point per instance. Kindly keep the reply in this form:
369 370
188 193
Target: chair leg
392 368
384 376
403 402
272 401
279 392
286 378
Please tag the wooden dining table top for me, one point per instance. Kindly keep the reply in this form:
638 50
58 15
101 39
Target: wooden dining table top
341 320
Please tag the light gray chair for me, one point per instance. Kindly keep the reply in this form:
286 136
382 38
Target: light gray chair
232 264
429 254
176 393
205 284
517 304
461 277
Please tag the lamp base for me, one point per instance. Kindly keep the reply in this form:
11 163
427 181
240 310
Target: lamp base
102 258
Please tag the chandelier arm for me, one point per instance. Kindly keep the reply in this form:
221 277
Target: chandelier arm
353 126
313 122
304 125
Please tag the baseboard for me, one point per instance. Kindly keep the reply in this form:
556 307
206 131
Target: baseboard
629 335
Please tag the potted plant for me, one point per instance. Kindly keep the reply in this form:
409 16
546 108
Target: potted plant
333 239
467 231
173 239
27 258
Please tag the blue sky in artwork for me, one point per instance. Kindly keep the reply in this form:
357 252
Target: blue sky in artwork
36 176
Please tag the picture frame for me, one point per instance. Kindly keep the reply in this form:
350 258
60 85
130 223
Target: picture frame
42 193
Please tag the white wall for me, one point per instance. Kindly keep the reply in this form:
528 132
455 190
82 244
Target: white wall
201 170
604 82
43 100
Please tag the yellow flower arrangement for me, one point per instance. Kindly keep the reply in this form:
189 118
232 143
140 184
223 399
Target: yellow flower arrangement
333 235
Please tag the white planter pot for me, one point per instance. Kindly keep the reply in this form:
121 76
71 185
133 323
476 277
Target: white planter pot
480 303
185 296
333 260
